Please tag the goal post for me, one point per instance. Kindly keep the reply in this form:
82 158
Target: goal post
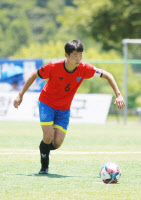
125 43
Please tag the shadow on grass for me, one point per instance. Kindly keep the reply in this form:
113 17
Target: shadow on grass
51 175
47 175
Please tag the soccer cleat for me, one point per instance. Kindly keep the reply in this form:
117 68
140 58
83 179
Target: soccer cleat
43 171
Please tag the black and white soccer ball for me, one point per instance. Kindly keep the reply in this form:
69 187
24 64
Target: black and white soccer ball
110 173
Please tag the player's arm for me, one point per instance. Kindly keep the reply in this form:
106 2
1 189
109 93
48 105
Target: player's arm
119 99
27 84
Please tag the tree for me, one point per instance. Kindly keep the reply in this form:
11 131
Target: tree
41 3
106 21
43 19
17 35
15 30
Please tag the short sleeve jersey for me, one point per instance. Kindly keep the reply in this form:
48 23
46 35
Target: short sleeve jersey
62 85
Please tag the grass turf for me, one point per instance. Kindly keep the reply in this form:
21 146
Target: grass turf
70 176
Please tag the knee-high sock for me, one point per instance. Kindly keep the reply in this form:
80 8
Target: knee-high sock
44 152
52 147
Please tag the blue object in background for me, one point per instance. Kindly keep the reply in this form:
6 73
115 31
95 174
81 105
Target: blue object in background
16 72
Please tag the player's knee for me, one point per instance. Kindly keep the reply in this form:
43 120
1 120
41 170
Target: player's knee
57 144
47 139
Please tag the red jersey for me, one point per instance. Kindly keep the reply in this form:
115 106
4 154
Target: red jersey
62 85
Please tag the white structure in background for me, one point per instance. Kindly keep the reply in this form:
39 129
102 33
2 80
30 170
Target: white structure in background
86 108
125 43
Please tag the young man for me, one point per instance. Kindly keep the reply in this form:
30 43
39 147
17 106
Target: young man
64 78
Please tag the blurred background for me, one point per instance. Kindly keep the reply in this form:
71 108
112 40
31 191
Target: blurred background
33 32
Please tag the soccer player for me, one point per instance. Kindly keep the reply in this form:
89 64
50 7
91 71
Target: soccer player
64 78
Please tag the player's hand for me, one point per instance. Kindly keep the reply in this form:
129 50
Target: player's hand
17 101
120 102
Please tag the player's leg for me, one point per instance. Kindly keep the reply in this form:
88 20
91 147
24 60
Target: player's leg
61 122
46 121
52 139
44 147
58 139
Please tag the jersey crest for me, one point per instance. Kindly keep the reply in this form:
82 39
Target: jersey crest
78 79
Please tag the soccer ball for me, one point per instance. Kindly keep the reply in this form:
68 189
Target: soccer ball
110 173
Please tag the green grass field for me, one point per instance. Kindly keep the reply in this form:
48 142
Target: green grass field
73 175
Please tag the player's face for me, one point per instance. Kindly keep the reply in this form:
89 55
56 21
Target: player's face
74 58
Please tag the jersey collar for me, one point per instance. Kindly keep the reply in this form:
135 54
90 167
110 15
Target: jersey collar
67 70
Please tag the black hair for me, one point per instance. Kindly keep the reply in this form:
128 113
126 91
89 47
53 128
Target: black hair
73 45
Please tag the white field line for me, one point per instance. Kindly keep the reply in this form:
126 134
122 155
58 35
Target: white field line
30 151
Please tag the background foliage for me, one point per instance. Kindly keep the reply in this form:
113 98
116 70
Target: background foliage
40 28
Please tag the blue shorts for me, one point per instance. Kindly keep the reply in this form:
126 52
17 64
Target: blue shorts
49 116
